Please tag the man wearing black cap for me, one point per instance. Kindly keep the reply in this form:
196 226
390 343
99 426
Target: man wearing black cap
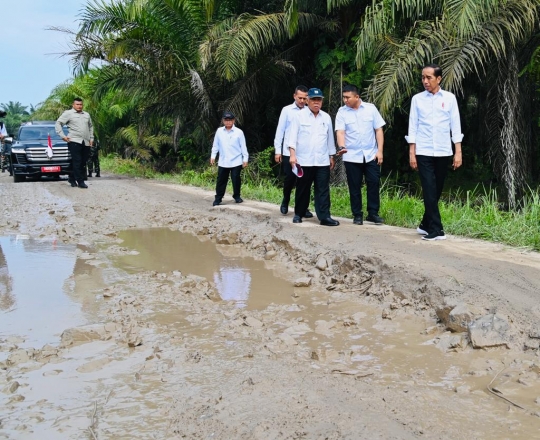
230 143
311 144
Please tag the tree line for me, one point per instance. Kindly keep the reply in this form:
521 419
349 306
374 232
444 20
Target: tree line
157 74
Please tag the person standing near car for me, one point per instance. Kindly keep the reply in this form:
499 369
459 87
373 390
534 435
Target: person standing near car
311 145
281 147
360 138
4 159
80 139
93 160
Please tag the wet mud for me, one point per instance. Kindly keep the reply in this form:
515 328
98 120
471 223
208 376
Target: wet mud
182 322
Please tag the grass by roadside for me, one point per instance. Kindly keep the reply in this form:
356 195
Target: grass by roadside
476 214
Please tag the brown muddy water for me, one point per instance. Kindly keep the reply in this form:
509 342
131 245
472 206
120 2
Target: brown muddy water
130 390
34 300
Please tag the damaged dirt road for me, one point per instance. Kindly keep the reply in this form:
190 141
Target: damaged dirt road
174 320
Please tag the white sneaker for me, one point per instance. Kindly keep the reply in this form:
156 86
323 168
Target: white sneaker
421 231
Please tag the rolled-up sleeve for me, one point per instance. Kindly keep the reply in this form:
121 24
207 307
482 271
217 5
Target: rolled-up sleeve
455 123
413 122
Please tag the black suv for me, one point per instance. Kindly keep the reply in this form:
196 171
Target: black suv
29 152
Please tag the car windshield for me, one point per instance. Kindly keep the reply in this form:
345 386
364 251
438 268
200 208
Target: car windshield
39 133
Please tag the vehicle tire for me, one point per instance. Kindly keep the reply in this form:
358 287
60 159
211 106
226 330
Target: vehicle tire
18 178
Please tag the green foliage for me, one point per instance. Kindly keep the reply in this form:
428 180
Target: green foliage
17 114
260 168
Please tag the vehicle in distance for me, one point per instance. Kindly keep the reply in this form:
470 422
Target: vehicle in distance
29 152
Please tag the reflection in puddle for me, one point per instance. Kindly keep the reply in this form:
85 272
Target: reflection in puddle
33 303
243 280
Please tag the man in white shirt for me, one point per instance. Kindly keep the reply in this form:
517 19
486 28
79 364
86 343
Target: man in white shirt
230 144
360 141
311 145
433 125
282 149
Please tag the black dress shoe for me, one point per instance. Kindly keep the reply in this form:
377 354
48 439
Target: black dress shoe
82 185
358 220
308 214
98 175
216 203
284 208
73 184
89 174
374 218
329 222
238 200
297 219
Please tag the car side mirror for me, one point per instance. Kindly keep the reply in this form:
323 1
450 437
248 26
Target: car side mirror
8 140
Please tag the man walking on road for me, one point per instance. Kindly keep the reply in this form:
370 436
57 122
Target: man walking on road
433 125
230 144
311 145
80 138
281 147
360 141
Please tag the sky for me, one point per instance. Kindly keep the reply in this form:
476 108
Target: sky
30 61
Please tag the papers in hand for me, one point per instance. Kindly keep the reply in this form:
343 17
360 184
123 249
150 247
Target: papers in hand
297 170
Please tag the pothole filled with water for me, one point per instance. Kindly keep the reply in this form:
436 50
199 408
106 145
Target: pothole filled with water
243 280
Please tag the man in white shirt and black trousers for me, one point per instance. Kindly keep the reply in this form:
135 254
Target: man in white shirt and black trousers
230 143
282 148
311 145
433 125
360 137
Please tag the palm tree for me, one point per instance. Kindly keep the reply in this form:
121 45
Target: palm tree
486 39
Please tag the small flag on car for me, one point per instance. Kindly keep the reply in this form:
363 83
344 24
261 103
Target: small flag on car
49 147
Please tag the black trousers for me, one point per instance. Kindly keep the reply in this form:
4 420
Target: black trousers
290 179
432 171
355 174
223 178
320 176
79 156
93 160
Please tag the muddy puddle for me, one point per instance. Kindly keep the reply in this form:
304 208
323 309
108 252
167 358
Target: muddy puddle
36 301
204 365
238 278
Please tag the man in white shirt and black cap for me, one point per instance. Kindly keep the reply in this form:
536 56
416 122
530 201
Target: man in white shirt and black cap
230 144
433 125
282 154
311 144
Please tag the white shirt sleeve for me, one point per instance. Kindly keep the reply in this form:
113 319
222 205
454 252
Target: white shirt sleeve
413 122
455 123
331 144
293 132
280 131
245 155
215 145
